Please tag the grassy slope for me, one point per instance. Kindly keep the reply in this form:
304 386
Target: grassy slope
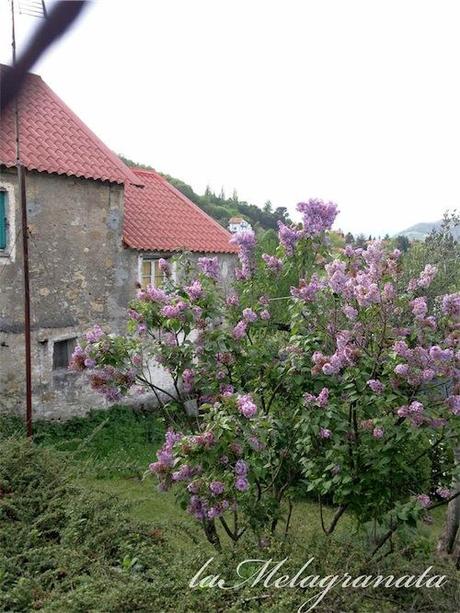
112 452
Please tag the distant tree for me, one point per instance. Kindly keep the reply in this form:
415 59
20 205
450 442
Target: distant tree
402 243
267 208
386 237
281 214
349 238
360 241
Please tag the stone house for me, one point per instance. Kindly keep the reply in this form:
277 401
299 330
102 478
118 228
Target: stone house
96 230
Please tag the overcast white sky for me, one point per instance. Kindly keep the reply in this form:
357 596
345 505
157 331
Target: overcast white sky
355 101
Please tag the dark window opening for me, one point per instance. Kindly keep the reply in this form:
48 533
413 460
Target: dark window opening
62 352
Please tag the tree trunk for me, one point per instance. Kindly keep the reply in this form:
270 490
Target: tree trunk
449 541
209 528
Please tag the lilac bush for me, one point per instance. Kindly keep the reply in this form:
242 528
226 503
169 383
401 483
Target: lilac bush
339 388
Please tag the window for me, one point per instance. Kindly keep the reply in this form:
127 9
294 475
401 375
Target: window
62 352
3 221
151 274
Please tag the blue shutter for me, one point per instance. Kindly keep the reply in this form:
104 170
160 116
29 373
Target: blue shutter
2 220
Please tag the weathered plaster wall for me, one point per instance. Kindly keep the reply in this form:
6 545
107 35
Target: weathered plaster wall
80 274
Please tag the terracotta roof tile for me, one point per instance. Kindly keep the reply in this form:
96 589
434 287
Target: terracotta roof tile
158 217
53 139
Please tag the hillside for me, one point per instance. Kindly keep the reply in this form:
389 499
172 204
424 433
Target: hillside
420 231
221 207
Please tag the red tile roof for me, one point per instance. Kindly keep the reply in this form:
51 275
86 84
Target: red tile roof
53 139
158 217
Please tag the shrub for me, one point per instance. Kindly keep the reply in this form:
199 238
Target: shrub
354 379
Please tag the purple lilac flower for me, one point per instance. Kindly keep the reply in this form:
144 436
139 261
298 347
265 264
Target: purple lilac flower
419 307
195 290
183 474
153 294
378 433
307 291
209 267
443 492
164 266
90 363
320 401
350 312
226 389
318 216
324 433
188 377
246 406
427 275
265 315
337 276
233 300
272 262
240 329
95 334
132 314
423 500
453 403
336 469
288 237
401 369
249 315
451 305
246 242
241 484
241 468
376 386
216 488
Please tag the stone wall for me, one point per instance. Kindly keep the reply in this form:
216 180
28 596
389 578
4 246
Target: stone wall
80 273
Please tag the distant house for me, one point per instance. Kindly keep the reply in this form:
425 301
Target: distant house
238 224
97 228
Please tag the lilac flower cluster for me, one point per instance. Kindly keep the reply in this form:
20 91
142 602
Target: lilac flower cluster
165 456
288 237
95 334
241 471
376 386
425 278
194 291
320 401
318 216
272 262
246 405
174 311
307 291
209 267
164 266
246 242
344 355
451 305
421 364
188 378
153 294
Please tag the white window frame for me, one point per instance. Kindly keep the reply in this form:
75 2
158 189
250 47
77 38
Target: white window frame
8 254
152 258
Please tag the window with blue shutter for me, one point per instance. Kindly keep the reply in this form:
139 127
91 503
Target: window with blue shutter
2 220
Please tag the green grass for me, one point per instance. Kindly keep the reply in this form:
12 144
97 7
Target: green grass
112 542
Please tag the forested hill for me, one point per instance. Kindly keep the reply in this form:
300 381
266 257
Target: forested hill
221 207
